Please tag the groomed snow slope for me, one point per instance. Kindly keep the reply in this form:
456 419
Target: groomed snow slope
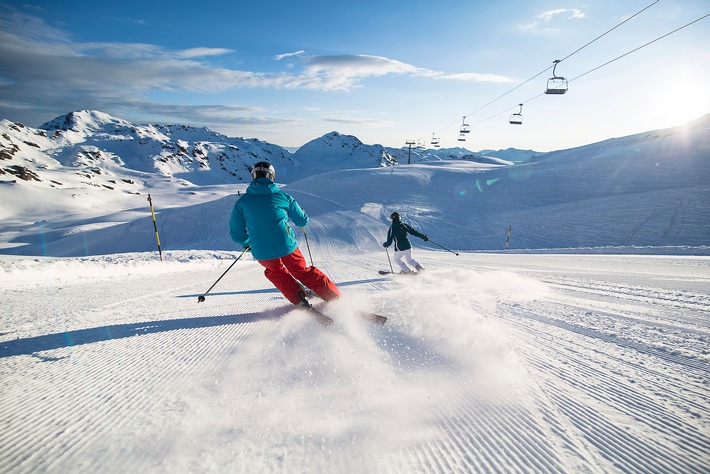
488 363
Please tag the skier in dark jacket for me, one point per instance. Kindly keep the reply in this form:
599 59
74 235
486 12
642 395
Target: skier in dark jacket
259 221
402 246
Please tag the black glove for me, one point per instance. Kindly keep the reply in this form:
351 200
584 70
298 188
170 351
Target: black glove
425 238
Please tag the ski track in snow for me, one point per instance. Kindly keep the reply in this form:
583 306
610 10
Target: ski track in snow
488 363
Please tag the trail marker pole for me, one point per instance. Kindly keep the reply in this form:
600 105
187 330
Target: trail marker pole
508 239
155 226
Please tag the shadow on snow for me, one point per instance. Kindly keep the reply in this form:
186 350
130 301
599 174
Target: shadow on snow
31 345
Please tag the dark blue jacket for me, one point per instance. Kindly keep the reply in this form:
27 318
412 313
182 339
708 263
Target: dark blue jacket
260 220
398 233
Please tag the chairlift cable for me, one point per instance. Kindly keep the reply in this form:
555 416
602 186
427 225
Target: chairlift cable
608 31
511 90
496 99
640 47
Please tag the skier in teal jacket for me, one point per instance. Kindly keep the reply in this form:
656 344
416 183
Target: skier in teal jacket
402 246
259 221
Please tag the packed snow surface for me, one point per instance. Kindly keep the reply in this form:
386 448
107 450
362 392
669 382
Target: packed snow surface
488 363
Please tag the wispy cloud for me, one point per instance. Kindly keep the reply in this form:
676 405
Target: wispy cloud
363 122
474 77
14 22
347 71
203 52
207 113
279 57
544 21
222 116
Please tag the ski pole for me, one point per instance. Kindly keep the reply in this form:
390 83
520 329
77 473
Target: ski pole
448 250
201 298
308 246
388 259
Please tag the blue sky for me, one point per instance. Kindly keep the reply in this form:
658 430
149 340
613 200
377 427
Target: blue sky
386 71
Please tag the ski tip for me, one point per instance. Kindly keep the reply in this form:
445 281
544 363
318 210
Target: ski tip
323 319
319 316
375 318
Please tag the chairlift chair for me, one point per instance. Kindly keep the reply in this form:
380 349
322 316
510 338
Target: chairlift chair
462 137
556 85
465 128
434 141
517 118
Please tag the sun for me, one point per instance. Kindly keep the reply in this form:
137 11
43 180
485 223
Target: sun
684 99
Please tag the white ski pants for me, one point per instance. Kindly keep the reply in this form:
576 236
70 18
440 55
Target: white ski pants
400 255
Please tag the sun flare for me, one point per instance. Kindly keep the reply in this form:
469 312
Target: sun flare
684 99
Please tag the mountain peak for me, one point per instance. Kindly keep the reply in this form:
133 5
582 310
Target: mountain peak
334 139
83 121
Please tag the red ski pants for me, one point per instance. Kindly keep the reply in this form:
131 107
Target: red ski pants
283 273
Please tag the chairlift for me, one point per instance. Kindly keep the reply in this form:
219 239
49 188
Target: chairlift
517 118
434 140
462 137
556 85
465 128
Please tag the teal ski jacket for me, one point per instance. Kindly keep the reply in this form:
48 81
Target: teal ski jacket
398 234
260 220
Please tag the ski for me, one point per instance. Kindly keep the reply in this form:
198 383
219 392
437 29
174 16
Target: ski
319 316
326 320
385 272
375 318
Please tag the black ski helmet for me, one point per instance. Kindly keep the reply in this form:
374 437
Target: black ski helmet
394 216
263 169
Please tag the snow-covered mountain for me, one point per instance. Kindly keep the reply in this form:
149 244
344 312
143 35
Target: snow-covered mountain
645 190
197 155
83 152
74 156
91 148
335 151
